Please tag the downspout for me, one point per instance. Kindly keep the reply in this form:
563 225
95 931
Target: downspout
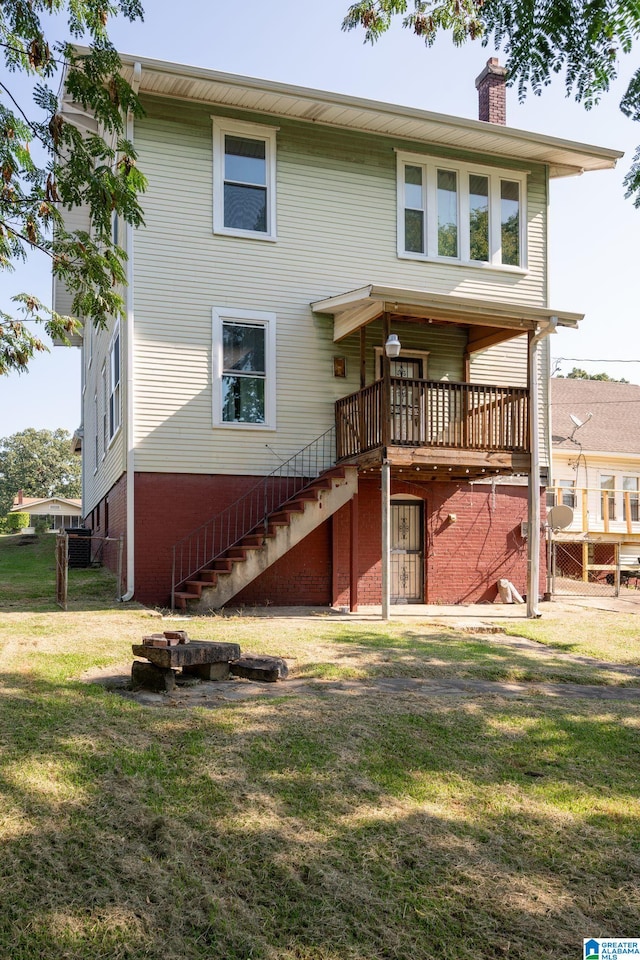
533 554
130 424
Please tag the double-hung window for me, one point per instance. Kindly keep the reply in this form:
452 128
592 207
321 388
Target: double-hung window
460 213
105 408
244 179
608 496
243 368
566 493
97 432
631 497
115 415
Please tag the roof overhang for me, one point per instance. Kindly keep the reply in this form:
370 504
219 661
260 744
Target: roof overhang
563 157
356 308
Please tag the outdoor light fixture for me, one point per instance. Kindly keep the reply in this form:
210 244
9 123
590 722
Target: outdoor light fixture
392 346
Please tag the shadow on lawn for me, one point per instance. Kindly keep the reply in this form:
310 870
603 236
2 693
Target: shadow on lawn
452 654
312 830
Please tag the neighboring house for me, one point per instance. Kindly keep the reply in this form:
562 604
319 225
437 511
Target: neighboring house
365 281
596 472
58 512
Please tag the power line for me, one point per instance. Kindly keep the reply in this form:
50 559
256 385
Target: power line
587 360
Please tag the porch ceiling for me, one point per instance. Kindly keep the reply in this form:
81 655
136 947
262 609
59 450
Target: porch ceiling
356 308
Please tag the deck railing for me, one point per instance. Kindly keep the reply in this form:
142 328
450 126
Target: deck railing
599 509
250 512
432 413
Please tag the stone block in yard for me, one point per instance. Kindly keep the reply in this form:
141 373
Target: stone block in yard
267 669
150 677
179 635
207 671
188 654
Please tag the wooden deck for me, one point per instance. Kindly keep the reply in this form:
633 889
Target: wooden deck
469 427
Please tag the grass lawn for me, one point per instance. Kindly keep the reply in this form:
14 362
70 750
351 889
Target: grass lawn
588 632
322 828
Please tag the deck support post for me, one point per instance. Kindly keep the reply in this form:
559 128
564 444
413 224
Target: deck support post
386 537
535 513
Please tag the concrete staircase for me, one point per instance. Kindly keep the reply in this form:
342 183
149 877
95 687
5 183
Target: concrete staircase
216 583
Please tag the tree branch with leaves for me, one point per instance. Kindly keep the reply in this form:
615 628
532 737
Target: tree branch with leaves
585 41
89 165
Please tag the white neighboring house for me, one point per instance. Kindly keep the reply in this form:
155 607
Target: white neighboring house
59 512
596 472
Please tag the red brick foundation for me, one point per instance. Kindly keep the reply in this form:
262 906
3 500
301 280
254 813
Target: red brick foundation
109 519
463 558
169 506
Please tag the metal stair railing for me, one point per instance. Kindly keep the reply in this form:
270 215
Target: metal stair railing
251 512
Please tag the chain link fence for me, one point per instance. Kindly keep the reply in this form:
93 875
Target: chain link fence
590 569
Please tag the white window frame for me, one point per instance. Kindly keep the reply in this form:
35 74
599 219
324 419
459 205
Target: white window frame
252 131
97 426
251 317
430 166
115 388
611 500
105 410
90 335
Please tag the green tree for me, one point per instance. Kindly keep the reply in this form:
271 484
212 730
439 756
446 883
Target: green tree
40 463
584 39
49 165
578 374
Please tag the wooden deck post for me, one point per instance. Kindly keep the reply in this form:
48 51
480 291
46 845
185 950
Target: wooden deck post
585 562
385 411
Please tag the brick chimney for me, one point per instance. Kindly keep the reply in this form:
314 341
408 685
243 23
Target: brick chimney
19 498
492 93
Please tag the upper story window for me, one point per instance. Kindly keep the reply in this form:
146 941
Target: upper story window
115 415
244 179
105 408
460 214
243 368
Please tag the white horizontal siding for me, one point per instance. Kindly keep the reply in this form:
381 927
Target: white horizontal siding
506 365
336 229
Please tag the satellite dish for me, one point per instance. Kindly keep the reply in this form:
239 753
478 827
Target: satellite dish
577 423
560 517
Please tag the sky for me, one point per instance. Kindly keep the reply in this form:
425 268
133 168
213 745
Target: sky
595 232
